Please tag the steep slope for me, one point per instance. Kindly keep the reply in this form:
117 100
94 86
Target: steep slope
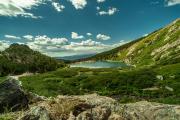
160 47
20 58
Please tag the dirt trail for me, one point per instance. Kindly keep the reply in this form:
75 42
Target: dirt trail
22 75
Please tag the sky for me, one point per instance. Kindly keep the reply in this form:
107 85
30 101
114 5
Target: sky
74 27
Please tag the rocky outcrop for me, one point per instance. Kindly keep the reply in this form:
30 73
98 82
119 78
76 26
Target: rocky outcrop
166 47
98 113
12 97
95 107
149 111
36 113
84 107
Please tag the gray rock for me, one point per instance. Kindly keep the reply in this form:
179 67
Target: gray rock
160 77
116 117
98 113
149 111
12 97
105 108
34 98
36 113
95 107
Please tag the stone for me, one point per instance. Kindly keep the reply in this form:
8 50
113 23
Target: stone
95 107
116 117
98 113
160 77
34 98
144 110
12 97
80 108
36 113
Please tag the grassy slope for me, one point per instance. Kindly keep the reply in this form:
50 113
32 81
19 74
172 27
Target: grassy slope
127 84
139 52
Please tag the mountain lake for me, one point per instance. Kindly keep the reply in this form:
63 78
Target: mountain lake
100 64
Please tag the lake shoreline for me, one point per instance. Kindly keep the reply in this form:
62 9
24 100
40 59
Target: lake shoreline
99 64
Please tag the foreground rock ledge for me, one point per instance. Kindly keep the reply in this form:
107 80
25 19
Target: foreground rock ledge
95 107
84 107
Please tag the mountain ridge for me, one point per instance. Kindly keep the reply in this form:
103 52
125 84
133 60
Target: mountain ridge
159 47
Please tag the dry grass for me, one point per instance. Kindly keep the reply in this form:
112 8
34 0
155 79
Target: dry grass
60 108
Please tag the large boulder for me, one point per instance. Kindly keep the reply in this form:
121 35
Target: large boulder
144 110
12 97
95 107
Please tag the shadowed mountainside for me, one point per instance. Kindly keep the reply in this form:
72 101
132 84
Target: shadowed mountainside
18 59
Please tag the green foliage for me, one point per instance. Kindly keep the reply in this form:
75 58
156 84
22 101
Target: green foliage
128 84
6 117
2 79
139 52
18 59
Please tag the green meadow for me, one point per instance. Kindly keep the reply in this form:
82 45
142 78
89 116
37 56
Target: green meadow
126 85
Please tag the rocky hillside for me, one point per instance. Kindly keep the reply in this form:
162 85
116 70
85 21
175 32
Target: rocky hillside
159 47
15 104
20 58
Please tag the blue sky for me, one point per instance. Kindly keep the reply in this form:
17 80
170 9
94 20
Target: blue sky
71 27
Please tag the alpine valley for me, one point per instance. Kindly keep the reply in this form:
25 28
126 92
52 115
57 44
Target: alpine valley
34 86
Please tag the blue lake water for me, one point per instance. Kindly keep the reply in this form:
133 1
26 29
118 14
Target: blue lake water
99 64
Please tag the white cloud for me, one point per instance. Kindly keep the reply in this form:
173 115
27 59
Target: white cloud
75 35
47 45
28 37
88 34
85 47
100 1
45 40
98 8
88 42
60 46
111 11
15 8
103 37
4 44
58 6
145 35
79 4
172 2
12 37
18 7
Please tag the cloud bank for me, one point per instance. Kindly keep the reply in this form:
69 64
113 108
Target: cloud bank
14 8
59 46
